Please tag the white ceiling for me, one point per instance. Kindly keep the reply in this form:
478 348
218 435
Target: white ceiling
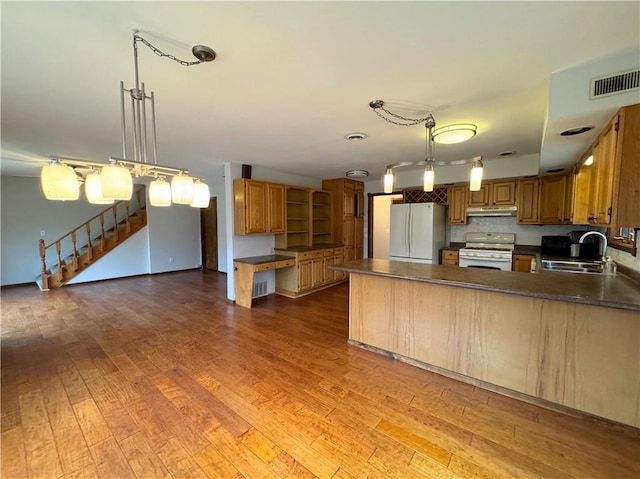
292 78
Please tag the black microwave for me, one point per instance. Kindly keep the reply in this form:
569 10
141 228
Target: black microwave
556 246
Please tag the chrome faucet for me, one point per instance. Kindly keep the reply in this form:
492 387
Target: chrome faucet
604 240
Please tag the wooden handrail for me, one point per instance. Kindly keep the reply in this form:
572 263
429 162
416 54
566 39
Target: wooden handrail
102 244
137 191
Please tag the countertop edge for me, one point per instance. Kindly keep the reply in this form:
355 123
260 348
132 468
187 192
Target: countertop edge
592 301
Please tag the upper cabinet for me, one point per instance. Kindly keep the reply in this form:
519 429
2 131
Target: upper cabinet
457 199
259 207
528 201
553 197
497 193
607 192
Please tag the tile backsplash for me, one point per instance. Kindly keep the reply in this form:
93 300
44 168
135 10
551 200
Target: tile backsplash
525 234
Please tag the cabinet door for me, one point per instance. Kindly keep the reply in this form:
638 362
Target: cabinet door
552 197
329 275
358 233
276 205
304 274
522 263
528 198
605 168
338 259
255 207
348 232
581 193
457 199
481 197
567 214
503 193
317 273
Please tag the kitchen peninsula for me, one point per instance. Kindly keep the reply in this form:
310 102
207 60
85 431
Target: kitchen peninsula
556 340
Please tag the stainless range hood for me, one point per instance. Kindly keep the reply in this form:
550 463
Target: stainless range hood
492 211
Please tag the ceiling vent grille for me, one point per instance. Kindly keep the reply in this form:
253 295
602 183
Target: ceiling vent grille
614 84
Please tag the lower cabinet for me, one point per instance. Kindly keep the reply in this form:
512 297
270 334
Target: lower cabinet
522 263
450 257
311 271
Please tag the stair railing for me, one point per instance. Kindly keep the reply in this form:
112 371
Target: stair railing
112 218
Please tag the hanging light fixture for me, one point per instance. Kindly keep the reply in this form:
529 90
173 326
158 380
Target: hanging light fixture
93 190
160 192
59 181
445 133
201 195
476 175
182 190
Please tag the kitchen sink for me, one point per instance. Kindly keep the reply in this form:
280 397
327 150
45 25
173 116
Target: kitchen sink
593 267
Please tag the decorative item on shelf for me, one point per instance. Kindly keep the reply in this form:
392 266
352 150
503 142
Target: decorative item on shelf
105 183
449 134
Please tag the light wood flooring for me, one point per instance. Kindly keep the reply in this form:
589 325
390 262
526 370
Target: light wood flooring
161 376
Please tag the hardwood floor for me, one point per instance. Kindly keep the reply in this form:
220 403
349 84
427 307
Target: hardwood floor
162 377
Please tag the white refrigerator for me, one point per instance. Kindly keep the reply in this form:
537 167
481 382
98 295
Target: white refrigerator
417 232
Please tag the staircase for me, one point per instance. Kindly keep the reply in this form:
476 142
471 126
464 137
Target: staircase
97 237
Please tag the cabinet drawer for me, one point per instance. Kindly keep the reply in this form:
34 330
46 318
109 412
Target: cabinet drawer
448 254
327 252
317 254
264 266
338 251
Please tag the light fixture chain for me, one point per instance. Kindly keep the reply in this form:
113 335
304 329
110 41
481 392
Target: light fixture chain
162 54
409 121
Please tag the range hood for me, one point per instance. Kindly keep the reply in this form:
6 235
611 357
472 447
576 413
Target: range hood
492 211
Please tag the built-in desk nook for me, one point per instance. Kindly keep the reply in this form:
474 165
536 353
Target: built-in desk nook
245 268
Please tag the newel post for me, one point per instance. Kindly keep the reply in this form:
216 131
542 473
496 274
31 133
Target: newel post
43 272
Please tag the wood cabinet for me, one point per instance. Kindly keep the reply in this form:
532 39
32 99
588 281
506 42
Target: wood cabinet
457 199
553 195
528 201
258 207
495 193
311 272
348 213
450 257
626 179
522 263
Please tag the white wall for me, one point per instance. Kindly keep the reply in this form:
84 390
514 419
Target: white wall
173 232
381 223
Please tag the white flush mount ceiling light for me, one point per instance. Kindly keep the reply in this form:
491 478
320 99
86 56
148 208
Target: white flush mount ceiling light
429 162
60 179
452 134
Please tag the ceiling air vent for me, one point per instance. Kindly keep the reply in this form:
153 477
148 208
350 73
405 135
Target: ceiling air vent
614 84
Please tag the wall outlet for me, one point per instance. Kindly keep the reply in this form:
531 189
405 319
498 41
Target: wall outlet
42 233
170 259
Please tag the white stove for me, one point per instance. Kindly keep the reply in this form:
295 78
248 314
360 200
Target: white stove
488 250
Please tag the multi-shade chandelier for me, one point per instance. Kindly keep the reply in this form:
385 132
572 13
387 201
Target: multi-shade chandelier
449 134
105 183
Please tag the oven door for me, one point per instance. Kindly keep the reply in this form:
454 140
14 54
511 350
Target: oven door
485 260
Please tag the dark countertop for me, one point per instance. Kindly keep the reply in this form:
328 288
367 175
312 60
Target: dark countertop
298 249
610 291
269 258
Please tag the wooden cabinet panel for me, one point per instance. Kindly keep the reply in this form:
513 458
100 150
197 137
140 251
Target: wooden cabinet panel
481 197
450 257
604 155
528 201
348 204
276 208
503 193
258 207
311 272
552 199
522 263
457 199
304 275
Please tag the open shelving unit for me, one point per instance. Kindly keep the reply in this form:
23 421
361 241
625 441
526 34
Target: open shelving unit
321 218
298 212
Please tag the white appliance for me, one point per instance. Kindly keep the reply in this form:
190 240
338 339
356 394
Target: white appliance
417 232
488 250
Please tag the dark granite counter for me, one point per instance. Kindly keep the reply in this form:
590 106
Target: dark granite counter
617 291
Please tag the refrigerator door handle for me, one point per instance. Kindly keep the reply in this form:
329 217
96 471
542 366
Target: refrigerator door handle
408 235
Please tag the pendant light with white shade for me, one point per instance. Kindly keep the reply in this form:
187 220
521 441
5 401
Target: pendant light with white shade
115 180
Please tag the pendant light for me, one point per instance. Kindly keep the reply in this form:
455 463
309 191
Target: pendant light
116 182
201 195
93 190
388 181
476 176
429 178
59 182
159 192
182 189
